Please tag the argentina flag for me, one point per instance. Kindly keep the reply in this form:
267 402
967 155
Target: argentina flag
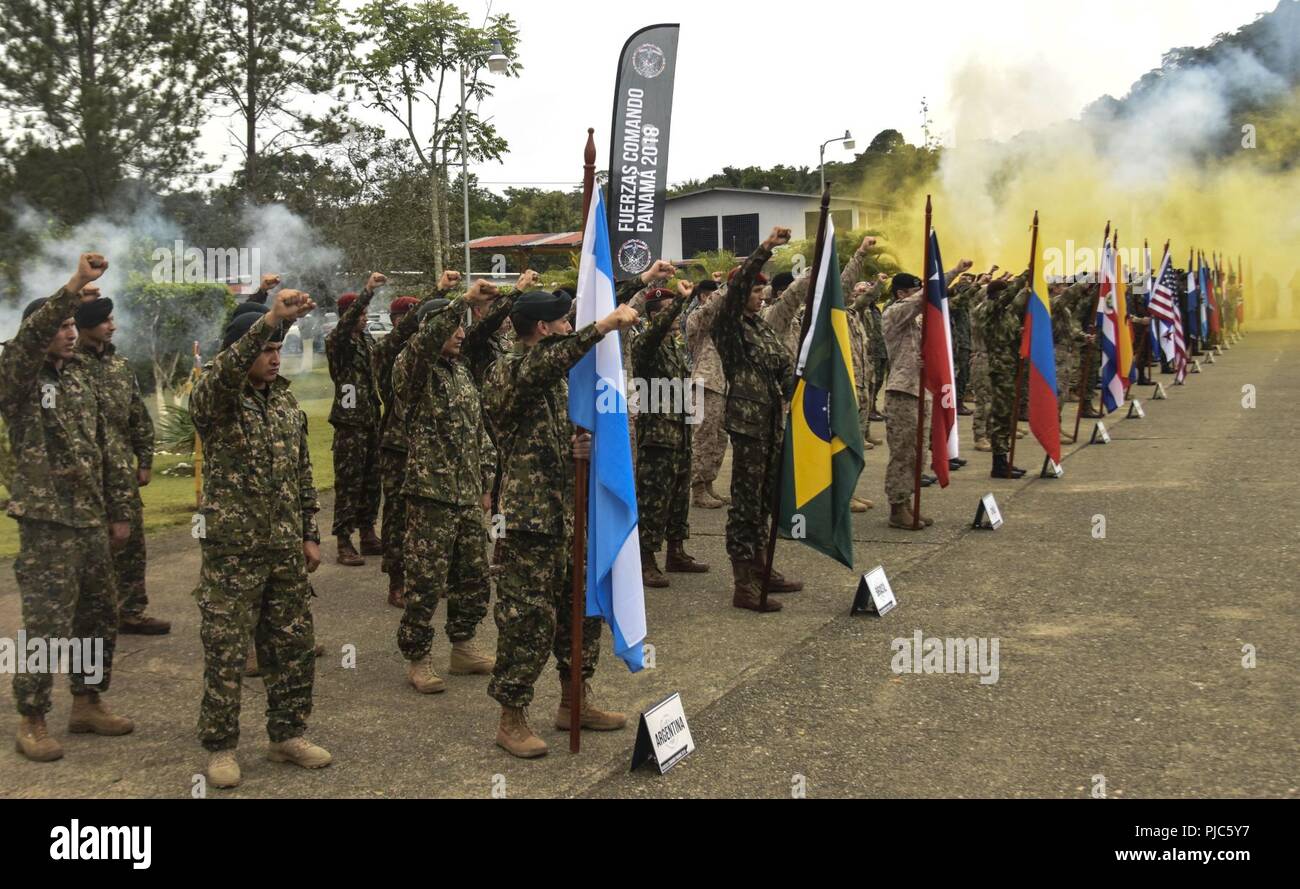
598 402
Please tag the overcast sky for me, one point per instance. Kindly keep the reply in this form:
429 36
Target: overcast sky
762 83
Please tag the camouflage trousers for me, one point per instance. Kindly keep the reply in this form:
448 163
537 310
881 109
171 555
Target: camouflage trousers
979 390
262 593
392 472
534 618
879 371
709 440
864 411
356 478
1002 397
962 357
900 432
663 495
1064 370
128 566
755 464
446 557
65 582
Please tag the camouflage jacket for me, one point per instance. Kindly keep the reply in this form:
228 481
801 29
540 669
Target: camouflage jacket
659 358
350 363
383 360
257 481
449 457
526 398
901 324
129 425
973 301
485 341
1067 333
65 469
705 364
789 323
757 366
959 318
1004 322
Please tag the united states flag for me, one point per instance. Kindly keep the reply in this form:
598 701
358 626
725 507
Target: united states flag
1169 317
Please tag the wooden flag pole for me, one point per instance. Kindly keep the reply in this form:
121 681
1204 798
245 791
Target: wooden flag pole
779 481
920 383
1020 358
1086 376
581 468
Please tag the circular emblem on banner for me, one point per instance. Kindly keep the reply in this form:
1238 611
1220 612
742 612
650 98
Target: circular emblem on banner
634 256
648 60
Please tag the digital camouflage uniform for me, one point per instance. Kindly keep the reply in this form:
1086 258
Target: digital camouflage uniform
973 302
526 399
959 318
1067 338
709 442
874 325
901 328
130 430
355 416
259 505
68 482
392 437
760 375
1002 329
485 342
663 437
449 466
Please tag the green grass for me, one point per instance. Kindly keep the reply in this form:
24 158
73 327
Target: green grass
169 501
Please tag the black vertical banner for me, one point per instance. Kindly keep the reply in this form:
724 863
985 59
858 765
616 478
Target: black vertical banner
638 150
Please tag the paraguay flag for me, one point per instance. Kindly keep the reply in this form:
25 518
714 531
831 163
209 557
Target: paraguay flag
936 351
822 457
598 402
1036 348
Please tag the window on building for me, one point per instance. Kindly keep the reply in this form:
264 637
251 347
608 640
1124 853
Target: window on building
699 235
740 233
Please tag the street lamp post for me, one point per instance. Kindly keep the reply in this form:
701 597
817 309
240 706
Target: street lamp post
497 61
847 139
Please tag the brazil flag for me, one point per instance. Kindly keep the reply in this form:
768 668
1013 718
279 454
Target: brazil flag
823 439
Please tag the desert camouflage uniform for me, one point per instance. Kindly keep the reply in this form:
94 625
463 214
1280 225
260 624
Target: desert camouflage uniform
130 430
449 466
710 437
68 481
663 468
259 506
355 416
901 326
760 376
526 399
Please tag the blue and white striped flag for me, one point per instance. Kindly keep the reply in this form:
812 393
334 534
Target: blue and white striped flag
598 402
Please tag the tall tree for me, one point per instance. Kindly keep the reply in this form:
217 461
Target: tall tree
408 63
111 87
270 58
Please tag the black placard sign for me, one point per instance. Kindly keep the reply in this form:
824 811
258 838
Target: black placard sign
638 149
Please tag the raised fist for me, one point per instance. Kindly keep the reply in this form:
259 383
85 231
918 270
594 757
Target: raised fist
269 281
481 292
450 280
780 235
290 305
527 281
375 281
89 268
662 270
867 243
685 289
621 318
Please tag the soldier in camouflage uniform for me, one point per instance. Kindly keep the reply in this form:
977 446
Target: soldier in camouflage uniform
1002 331
709 443
760 377
1068 338
355 416
259 541
131 432
972 300
872 320
526 399
448 486
69 483
663 467
959 318
392 431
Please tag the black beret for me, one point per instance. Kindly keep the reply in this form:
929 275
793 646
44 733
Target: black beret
429 306
93 313
903 281
565 291
708 285
248 308
32 306
538 305
781 280
239 326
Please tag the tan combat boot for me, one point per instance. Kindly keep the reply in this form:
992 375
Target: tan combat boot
651 576
723 498
592 717
701 497
983 444
515 737
34 742
300 752
371 545
422 676
347 553
746 594
681 562
223 769
900 516
90 714
466 659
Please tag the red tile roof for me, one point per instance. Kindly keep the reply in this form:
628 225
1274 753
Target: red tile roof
519 242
